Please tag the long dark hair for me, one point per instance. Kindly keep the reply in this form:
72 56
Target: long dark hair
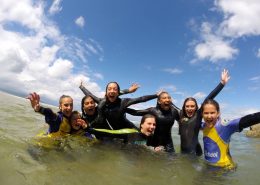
84 115
183 112
159 97
118 87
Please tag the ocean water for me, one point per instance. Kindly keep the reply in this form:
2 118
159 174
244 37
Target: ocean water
78 161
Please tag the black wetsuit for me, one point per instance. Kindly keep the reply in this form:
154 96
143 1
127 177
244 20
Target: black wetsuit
90 118
112 115
164 122
189 127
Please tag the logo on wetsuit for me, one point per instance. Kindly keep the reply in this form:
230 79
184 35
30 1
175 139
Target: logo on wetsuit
211 150
211 154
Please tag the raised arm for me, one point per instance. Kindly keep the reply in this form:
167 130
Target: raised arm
88 93
224 79
131 89
35 103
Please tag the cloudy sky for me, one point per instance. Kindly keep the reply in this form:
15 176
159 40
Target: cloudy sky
180 46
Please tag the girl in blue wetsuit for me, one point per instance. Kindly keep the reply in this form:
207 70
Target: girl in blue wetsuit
190 119
217 135
58 122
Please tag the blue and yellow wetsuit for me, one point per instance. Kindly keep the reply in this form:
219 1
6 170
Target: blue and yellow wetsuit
216 139
58 123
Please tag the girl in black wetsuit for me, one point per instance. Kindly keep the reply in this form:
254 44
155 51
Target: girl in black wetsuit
165 115
189 120
111 109
88 103
191 117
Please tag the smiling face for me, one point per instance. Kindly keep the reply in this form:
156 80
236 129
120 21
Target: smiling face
190 108
210 115
112 91
66 106
89 106
148 126
165 101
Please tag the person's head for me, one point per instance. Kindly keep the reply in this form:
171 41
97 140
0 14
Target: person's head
189 107
112 91
210 112
148 124
75 115
88 105
66 105
164 100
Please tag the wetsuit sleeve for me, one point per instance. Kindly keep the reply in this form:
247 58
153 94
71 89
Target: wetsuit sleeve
249 120
49 114
131 101
215 92
88 93
138 112
124 91
212 95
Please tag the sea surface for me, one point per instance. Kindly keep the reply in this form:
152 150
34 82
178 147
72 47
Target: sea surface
77 161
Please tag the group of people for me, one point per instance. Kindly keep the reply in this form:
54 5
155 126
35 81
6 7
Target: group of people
105 118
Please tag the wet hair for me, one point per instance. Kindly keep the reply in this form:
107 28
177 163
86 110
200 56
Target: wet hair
159 97
183 112
82 105
145 117
212 102
74 113
64 96
118 87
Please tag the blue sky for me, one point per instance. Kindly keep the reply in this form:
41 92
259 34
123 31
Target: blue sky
180 46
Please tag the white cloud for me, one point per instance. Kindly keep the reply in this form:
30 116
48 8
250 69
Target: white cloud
99 76
255 79
213 47
21 12
55 7
80 21
44 60
173 70
199 95
241 17
169 87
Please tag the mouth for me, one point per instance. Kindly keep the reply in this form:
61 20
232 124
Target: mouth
91 109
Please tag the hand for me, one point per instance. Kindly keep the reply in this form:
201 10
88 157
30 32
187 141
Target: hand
35 101
159 148
133 87
160 92
81 83
224 77
82 123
